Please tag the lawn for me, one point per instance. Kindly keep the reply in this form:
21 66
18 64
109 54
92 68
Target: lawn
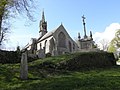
95 79
45 78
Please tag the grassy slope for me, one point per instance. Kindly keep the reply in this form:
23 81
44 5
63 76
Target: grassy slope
42 79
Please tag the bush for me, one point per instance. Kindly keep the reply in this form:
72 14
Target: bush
48 55
31 57
48 64
89 60
9 57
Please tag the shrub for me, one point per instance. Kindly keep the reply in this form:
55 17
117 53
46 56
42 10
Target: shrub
48 55
32 57
9 57
89 60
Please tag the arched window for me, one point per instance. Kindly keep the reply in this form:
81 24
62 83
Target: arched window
73 46
61 40
52 46
70 47
40 46
45 46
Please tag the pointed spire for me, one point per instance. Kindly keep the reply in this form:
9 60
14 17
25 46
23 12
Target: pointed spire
43 17
79 36
85 36
43 25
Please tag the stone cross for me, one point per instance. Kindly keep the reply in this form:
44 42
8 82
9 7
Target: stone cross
85 36
24 66
83 18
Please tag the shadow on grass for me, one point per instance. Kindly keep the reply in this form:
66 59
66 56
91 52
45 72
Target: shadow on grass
99 79
72 83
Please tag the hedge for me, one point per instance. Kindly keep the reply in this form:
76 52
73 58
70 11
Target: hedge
9 57
89 60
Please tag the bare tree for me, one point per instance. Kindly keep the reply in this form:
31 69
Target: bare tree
3 35
10 8
104 44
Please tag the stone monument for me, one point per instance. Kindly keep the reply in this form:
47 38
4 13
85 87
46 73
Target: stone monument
24 66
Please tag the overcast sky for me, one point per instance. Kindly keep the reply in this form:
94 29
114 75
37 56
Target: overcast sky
102 18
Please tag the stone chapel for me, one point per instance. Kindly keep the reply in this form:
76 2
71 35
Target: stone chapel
58 41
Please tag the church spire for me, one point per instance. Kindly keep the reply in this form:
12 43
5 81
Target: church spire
43 25
43 16
85 36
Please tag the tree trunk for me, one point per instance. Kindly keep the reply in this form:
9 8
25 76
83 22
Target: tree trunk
2 11
0 24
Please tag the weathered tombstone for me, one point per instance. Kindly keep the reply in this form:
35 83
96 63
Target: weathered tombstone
24 66
41 53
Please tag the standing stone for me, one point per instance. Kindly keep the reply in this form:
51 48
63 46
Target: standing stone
24 67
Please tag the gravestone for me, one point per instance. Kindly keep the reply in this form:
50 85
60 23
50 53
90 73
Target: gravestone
41 53
24 66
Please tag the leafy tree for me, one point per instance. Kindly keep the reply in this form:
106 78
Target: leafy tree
116 40
18 49
111 48
10 8
115 43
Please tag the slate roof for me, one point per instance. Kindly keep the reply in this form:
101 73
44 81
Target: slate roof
48 34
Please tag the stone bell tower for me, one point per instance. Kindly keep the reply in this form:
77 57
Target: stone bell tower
43 26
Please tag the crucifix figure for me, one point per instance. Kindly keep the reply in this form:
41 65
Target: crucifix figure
85 36
83 18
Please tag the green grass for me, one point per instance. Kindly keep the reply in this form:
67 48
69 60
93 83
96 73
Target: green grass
55 59
48 79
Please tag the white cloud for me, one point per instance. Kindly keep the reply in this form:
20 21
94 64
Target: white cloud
108 34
